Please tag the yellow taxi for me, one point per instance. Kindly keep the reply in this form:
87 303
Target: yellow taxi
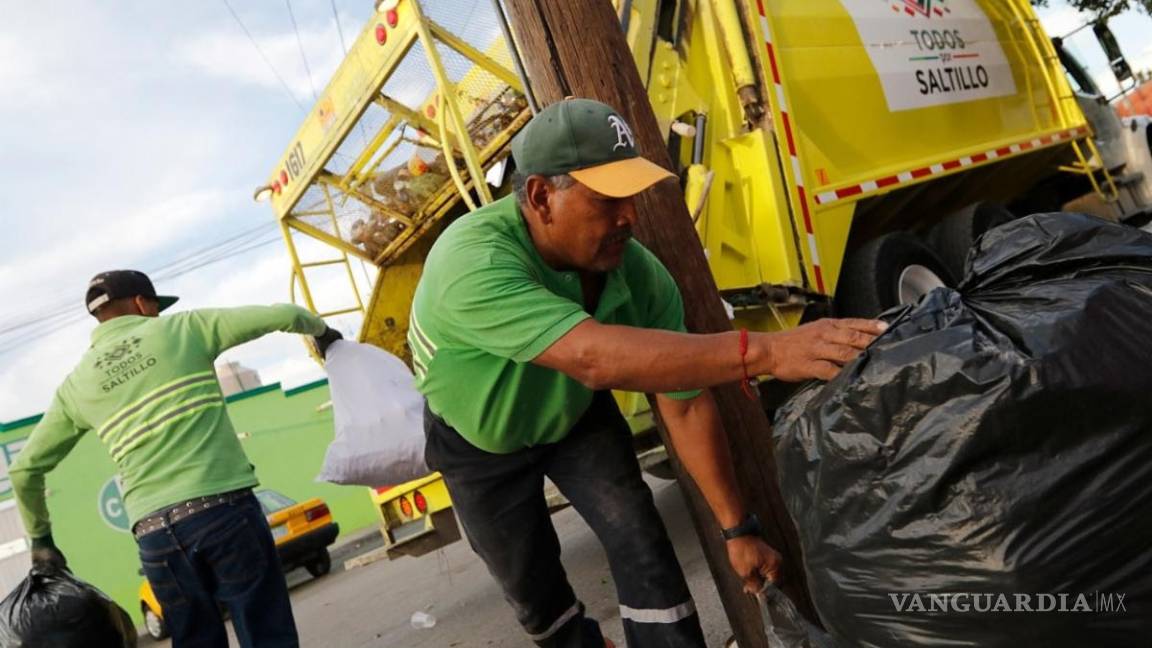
302 531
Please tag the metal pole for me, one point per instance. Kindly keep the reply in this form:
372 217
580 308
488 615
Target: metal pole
626 17
516 61
698 140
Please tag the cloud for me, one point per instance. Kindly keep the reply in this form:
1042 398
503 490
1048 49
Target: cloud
34 370
133 135
230 55
31 376
40 81
113 238
1143 60
1060 20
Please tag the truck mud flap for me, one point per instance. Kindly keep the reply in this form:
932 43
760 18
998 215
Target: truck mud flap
425 535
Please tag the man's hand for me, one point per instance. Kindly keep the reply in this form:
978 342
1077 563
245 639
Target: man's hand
754 561
46 557
325 340
817 349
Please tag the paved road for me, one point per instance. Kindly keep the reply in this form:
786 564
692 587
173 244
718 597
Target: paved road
372 605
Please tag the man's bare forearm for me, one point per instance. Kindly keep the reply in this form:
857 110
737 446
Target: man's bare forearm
605 356
648 360
702 446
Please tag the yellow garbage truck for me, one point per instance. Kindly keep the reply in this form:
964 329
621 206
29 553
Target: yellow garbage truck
835 155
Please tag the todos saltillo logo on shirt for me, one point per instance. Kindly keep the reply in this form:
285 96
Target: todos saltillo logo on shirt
123 362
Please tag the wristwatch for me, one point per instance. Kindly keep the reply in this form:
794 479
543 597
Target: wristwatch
750 525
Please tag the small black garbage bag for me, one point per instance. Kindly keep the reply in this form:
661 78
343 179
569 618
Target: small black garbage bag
54 609
982 474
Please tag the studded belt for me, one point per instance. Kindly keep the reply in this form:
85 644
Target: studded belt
167 517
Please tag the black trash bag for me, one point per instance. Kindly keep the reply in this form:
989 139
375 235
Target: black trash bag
54 609
994 441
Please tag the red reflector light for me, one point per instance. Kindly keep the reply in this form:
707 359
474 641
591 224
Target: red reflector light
314 514
421 503
284 178
405 507
381 34
276 187
382 489
430 111
393 17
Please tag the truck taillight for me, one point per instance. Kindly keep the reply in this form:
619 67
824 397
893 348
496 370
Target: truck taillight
314 514
393 17
381 34
405 507
421 503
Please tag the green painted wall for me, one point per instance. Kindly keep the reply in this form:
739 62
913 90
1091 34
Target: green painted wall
284 434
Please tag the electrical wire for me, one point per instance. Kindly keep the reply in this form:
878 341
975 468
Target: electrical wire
59 308
264 56
50 323
303 56
339 30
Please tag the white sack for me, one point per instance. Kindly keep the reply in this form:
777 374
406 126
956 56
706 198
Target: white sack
379 418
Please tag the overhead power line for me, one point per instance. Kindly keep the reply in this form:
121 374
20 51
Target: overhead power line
264 56
15 335
339 30
65 306
300 45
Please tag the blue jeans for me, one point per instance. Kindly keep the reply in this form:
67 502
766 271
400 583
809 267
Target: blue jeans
225 554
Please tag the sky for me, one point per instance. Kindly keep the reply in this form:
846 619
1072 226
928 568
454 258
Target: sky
133 135
1133 31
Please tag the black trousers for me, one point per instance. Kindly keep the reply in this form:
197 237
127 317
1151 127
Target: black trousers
499 501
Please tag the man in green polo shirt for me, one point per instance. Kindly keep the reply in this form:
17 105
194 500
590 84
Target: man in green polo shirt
147 389
530 309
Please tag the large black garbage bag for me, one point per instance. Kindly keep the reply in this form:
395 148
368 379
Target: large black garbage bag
996 440
54 609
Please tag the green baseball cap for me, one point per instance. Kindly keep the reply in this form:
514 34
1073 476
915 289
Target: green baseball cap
589 141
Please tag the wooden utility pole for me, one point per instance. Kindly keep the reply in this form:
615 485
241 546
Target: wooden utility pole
576 47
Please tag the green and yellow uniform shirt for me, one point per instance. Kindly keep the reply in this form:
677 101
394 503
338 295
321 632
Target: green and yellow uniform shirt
487 305
147 388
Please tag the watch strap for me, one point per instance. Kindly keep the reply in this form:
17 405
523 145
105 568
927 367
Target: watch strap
750 525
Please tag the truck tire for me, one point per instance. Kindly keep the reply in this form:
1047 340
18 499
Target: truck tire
321 565
954 236
888 271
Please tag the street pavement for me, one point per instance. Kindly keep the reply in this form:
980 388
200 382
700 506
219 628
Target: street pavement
372 605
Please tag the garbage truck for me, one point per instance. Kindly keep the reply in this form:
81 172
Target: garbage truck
836 156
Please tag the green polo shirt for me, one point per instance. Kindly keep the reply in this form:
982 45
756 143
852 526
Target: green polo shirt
487 305
147 388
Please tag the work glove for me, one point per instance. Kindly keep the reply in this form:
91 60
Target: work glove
46 557
325 339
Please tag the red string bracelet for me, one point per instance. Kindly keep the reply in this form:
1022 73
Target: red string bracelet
745 384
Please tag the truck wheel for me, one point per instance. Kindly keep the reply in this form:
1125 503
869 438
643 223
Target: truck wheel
954 236
888 271
321 565
153 624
